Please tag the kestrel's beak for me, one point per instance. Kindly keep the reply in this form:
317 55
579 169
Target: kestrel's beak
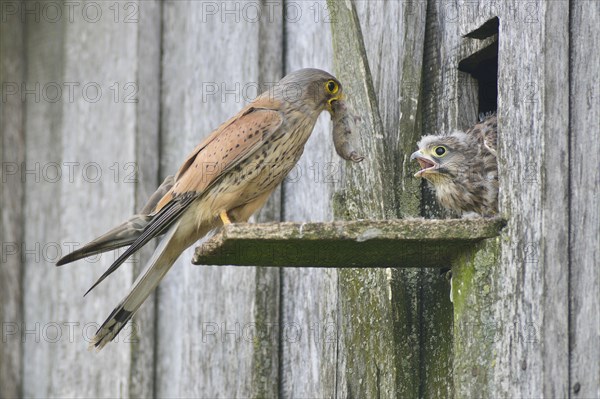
427 164
340 97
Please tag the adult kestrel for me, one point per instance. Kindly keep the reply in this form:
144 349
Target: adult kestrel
463 168
229 176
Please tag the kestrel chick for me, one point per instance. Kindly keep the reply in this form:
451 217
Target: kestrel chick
463 168
228 176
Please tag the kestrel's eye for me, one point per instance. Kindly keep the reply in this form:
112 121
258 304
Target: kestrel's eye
440 151
331 87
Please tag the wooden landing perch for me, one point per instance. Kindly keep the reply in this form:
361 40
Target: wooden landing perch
364 243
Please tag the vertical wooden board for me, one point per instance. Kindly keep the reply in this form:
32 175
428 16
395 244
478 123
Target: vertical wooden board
147 156
533 166
450 102
208 317
476 328
352 66
309 326
81 146
378 352
266 357
518 310
585 196
42 141
12 153
394 35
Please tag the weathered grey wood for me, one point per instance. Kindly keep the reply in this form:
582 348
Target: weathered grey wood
360 59
535 293
96 131
449 102
584 190
435 309
210 70
525 314
43 133
476 329
266 361
147 151
394 34
517 314
403 243
12 149
309 320
475 16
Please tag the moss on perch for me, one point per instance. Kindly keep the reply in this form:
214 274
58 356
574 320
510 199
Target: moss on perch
363 243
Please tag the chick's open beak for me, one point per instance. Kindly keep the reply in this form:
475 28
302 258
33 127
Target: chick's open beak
427 164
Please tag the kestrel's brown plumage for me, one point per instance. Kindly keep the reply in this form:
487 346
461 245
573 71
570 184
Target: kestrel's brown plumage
463 168
228 176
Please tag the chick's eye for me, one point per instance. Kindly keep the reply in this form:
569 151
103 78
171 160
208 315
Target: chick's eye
440 151
332 87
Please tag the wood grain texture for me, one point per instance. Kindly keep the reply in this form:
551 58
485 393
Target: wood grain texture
450 102
584 198
525 321
78 205
534 262
266 360
373 54
147 155
394 35
211 320
12 154
517 314
309 317
437 334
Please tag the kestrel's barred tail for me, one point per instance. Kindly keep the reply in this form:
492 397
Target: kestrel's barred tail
230 175
158 266
463 167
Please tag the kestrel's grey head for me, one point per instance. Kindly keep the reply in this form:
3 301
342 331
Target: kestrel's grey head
462 167
313 89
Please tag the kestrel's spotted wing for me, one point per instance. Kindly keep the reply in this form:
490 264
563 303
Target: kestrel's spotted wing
218 154
223 150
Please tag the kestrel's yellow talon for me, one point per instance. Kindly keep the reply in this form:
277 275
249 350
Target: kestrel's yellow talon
224 218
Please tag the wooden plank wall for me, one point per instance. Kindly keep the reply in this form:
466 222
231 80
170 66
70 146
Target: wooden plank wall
207 315
90 139
309 328
250 332
531 357
523 299
584 245
12 152
372 51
